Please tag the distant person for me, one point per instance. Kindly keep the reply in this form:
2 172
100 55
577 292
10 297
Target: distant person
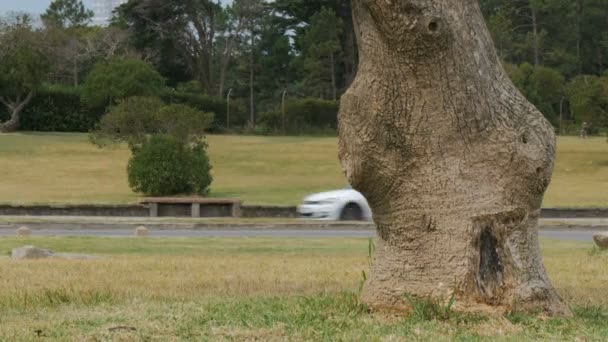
584 130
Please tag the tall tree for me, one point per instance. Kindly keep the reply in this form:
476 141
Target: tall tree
453 160
188 26
23 68
321 45
240 15
67 14
299 12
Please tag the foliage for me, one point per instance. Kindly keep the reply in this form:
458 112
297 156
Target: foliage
24 63
207 104
134 119
163 165
131 120
23 67
589 99
182 29
321 45
303 116
543 86
67 13
120 78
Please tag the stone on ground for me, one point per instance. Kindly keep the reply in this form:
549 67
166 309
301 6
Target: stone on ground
31 252
601 240
141 231
24 231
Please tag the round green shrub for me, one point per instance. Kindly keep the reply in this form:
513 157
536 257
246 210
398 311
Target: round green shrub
165 166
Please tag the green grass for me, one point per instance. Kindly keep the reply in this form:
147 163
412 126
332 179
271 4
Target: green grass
246 289
65 168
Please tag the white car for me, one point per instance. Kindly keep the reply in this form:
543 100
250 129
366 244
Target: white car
346 205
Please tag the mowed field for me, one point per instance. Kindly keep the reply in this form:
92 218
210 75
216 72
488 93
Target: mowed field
66 168
258 290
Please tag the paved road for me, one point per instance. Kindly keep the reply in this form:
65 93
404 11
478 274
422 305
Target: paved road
561 234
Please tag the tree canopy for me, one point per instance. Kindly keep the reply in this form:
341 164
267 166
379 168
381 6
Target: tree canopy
67 14
23 68
120 78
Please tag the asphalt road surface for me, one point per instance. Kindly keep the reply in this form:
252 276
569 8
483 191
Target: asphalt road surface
560 234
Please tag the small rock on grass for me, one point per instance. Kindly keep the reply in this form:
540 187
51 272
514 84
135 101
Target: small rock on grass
33 252
24 231
601 240
30 252
141 231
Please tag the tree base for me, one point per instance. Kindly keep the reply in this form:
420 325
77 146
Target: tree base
486 269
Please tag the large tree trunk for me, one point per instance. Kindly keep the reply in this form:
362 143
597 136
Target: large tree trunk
453 160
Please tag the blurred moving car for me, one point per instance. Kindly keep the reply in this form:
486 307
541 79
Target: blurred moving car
345 205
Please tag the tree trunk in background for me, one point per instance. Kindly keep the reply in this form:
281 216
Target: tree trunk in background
75 72
536 38
579 15
251 99
452 158
350 52
15 108
334 91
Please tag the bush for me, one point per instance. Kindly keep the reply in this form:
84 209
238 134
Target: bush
57 109
131 120
134 119
120 78
165 166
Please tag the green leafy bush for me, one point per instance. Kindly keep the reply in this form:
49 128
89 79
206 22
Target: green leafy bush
120 78
165 166
167 144
134 119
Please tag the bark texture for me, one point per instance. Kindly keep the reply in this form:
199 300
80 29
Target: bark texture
453 160
15 108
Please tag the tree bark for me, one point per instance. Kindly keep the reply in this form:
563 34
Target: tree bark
452 158
334 90
15 109
536 38
579 15
251 68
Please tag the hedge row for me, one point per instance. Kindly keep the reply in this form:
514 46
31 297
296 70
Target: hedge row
60 109
209 104
56 109
303 116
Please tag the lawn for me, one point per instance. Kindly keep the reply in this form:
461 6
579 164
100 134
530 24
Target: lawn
256 289
65 168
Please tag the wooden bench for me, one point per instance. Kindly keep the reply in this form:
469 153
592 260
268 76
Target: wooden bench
192 206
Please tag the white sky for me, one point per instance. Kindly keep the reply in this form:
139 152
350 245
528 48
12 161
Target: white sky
34 6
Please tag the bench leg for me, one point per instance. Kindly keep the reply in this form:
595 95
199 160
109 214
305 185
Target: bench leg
153 209
236 210
196 210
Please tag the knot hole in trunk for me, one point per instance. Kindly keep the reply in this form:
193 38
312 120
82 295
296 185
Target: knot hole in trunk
491 269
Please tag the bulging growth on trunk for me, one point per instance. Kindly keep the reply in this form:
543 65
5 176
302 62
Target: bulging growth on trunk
453 160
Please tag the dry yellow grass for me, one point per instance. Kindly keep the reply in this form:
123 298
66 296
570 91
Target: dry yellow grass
175 278
195 268
248 289
65 168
